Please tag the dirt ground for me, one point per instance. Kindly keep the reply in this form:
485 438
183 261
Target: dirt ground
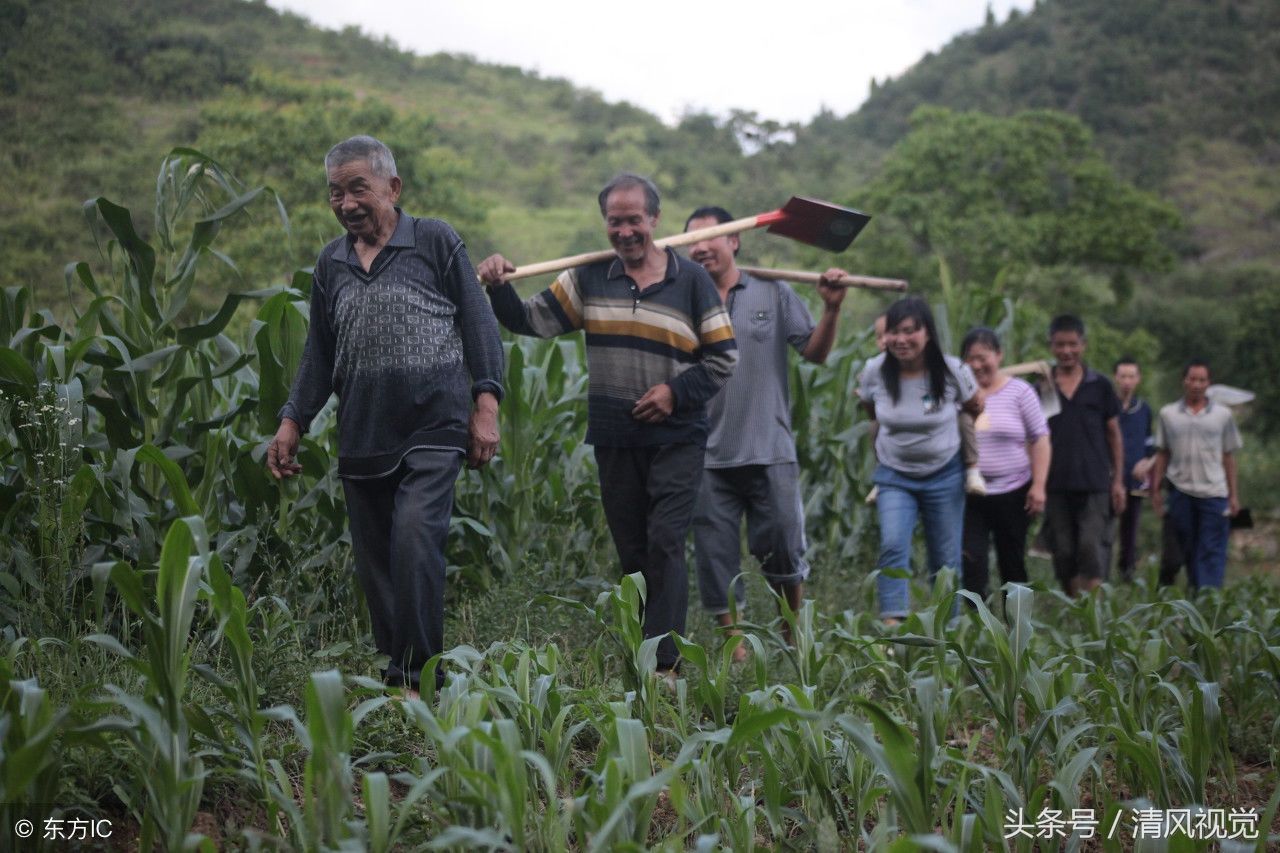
1256 551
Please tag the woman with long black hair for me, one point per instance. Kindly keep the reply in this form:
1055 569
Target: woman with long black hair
914 391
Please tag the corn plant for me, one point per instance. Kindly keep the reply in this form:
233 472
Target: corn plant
169 772
30 753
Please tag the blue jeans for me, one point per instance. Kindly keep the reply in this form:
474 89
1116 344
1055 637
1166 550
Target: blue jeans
938 499
1202 527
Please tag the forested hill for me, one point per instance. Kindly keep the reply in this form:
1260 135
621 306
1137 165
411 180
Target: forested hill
1183 96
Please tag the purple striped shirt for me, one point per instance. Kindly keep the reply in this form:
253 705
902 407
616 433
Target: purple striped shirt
1010 420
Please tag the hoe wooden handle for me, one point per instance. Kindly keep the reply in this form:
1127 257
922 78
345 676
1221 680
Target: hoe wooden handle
737 226
801 277
1026 367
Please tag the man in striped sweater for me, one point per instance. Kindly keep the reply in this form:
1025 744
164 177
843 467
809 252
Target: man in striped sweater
659 346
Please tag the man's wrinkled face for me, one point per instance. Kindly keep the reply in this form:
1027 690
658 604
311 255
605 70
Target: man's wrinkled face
628 224
1067 347
1196 383
1127 378
716 254
364 203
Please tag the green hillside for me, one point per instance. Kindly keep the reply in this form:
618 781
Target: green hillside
1182 98
93 95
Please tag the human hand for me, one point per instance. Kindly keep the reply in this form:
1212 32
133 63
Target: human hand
1035 500
831 293
1119 497
1233 506
282 451
656 405
494 270
482 431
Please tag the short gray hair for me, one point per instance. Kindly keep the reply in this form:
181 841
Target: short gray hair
627 180
381 161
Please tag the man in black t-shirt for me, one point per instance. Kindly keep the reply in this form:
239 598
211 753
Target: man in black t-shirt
1086 475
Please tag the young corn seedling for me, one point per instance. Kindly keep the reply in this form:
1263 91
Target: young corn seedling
168 771
30 751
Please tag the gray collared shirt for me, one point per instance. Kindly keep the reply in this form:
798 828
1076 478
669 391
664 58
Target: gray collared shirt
1196 442
751 416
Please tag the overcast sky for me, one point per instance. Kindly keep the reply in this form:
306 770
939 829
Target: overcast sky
784 60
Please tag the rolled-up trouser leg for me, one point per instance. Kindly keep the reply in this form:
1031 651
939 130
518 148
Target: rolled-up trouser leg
775 523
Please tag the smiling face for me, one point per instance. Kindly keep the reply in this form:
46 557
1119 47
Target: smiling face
906 342
715 255
985 363
363 202
1067 347
628 224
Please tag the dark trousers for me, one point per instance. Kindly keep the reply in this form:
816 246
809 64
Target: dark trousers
1078 525
399 526
1002 520
1129 536
1202 527
649 496
1171 558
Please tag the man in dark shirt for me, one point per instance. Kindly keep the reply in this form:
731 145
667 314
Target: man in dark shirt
400 332
659 346
1139 448
1086 475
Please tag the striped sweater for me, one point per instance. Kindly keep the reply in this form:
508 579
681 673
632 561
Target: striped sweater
675 331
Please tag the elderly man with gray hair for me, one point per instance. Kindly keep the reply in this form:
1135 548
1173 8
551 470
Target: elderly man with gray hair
406 340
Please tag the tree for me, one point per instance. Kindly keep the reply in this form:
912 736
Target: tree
992 194
1258 355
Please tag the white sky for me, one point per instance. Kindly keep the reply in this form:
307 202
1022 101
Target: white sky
784 60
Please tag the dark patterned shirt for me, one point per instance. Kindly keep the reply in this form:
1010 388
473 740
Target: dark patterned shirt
406 347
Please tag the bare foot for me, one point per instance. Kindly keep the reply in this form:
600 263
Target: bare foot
725 621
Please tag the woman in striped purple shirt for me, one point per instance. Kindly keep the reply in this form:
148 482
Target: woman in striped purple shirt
1013 455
